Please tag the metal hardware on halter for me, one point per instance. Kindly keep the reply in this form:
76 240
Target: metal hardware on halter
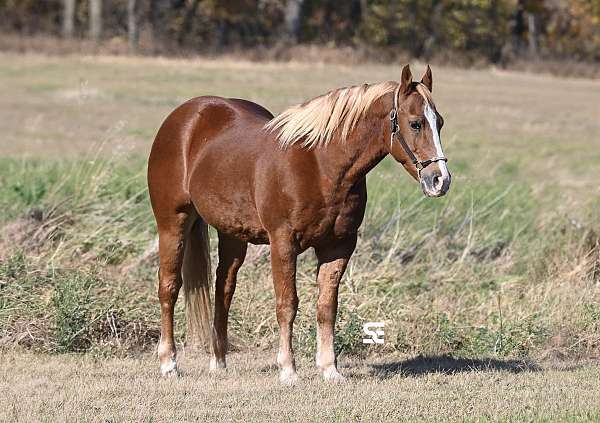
420 165
394 120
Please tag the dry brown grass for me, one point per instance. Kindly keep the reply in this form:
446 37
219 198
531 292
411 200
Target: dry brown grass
506 266
71 388
549 123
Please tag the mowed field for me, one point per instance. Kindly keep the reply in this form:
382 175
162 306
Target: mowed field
71 388
490 295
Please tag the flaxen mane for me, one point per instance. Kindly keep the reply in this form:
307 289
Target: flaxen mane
314 123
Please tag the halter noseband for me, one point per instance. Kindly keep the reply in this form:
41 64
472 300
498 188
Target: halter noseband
419 164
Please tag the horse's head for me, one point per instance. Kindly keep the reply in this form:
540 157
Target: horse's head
415 134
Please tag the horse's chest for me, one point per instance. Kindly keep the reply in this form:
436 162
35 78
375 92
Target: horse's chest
339 219
350 215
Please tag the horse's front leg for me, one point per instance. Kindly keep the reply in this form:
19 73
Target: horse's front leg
333 260
283 264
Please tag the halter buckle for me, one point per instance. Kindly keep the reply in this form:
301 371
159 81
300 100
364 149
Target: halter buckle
394 121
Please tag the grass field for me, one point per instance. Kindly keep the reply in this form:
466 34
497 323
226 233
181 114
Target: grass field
503 270
70 388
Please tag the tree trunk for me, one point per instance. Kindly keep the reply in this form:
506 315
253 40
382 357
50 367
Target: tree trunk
532 35
188 20
221 39
132 25
435 22
95 19
158 11
293 19
519 27
357 13
68 18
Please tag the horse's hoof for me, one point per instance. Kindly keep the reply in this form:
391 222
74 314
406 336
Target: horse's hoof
331 374
288 377
169 369
217 365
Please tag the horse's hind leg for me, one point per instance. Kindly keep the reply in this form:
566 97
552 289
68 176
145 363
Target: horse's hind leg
283 265
332 264
232 253
171 241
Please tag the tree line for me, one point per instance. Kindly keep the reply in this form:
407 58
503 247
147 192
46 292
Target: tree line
496 30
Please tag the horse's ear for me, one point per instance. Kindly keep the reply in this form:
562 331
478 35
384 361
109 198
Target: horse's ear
427 79
406 80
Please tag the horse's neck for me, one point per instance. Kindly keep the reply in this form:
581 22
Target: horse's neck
347 162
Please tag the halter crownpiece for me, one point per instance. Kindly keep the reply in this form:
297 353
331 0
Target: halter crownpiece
419 164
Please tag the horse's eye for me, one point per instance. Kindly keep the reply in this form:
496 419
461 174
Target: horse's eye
415 125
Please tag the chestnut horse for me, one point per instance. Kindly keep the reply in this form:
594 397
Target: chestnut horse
295 181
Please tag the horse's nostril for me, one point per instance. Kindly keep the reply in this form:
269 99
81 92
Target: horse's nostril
437 182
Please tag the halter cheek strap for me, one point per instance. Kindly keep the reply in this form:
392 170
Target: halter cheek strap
419 164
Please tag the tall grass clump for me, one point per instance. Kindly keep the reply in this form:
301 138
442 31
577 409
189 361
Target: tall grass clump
72 303
489 269
72 234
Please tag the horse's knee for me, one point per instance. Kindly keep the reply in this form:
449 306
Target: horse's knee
288 303
287 308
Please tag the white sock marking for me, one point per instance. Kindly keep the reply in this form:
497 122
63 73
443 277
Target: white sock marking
169 368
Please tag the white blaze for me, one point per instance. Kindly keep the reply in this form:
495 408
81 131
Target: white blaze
432 121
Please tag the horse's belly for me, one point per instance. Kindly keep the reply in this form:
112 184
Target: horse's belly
221 185
228 209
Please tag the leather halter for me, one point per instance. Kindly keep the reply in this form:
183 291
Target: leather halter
419 164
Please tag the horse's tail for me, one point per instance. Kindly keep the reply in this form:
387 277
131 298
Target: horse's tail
196 274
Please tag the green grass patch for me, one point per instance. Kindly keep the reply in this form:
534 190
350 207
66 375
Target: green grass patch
479 272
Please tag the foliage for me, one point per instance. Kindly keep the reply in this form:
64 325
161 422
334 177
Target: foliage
72 303
494 30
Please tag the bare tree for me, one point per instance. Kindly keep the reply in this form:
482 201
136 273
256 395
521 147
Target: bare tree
68 18
435 21
95 19
188 20
158 11
293 19
132 25
532 34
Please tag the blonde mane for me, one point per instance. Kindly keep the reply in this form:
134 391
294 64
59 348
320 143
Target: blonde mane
314 123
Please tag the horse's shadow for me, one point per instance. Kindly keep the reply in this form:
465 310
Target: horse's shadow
446 364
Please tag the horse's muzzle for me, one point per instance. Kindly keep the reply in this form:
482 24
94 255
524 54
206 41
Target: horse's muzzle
434 182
